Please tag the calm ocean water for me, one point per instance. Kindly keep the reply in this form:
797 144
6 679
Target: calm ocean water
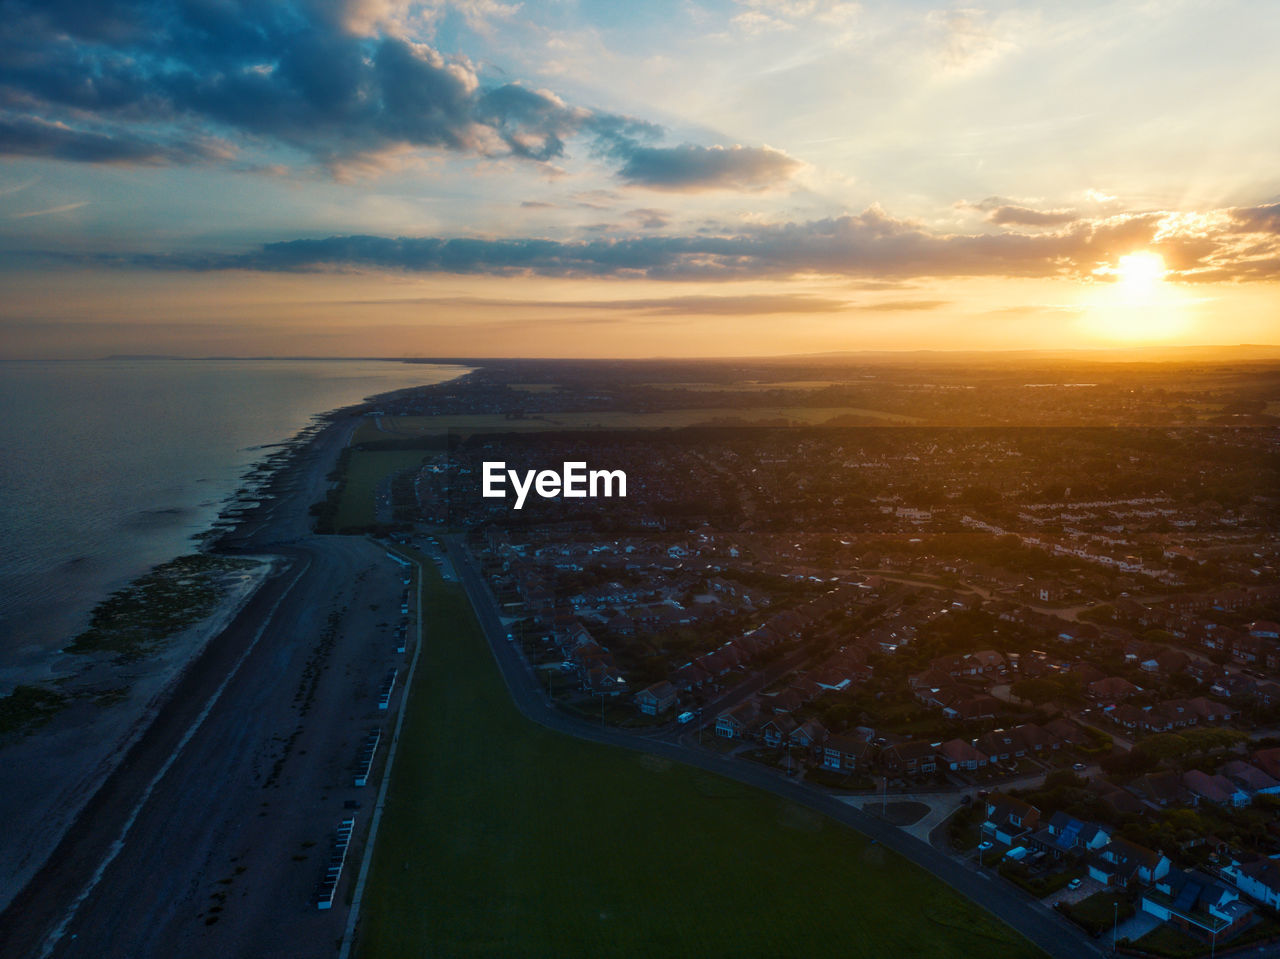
108 467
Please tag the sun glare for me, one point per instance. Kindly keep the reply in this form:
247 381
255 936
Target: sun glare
1139 306
1140 272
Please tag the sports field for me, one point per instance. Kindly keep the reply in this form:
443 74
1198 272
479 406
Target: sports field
505 839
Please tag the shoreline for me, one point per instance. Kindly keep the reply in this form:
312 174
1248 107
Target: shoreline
67 759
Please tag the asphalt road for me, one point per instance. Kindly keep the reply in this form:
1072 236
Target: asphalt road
1055 935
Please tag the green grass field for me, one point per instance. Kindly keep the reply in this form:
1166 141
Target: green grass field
504 839
405 426
365 471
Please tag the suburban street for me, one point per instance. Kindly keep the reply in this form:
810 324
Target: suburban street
1036 922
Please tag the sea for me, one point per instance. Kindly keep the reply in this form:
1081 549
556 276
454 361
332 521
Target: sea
108 467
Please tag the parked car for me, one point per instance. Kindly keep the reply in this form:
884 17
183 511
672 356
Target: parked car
1075 883
984 846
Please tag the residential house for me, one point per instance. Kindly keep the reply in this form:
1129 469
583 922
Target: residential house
1164 788
1197 903
1064 835
1268 760
1067 732
656 699
776 731
690 676
1122 861
1001 745
989 661
736 722
1215 789
845 753
911 758
958 754
1250 778
1258 879
1008 818
1112 689
1210 711
1037 739
809 736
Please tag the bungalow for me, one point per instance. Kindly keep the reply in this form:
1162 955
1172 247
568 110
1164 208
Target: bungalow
1210 711
1036 738
656 699
1268 760
1250 778
1259 880
958 754
1008 818
1178 713
734 723
1128 717
1067 732
1215 789
1120 801
1163 788
1121 861
988 660
1112 689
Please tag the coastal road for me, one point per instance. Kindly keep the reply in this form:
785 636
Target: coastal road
1036 922
210 836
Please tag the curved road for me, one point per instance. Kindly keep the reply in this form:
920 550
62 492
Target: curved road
1038 923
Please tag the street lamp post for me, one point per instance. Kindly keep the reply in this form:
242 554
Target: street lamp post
1115 922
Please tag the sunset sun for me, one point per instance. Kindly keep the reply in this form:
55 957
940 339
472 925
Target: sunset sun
1140 273
1138 304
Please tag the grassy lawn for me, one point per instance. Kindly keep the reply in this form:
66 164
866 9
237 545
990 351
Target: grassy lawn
1168 941
505 839
365 471
1097 913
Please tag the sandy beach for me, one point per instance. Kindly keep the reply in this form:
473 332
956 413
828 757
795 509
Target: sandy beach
233 746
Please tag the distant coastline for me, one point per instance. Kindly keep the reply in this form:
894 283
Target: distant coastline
139 482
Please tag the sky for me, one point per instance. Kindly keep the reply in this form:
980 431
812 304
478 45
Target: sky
667 178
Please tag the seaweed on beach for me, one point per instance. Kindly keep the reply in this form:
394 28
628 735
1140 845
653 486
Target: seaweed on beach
139 618
28 706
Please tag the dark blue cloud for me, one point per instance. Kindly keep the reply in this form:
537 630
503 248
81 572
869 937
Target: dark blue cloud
688 167
870 244
297 74
25 137
288 73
